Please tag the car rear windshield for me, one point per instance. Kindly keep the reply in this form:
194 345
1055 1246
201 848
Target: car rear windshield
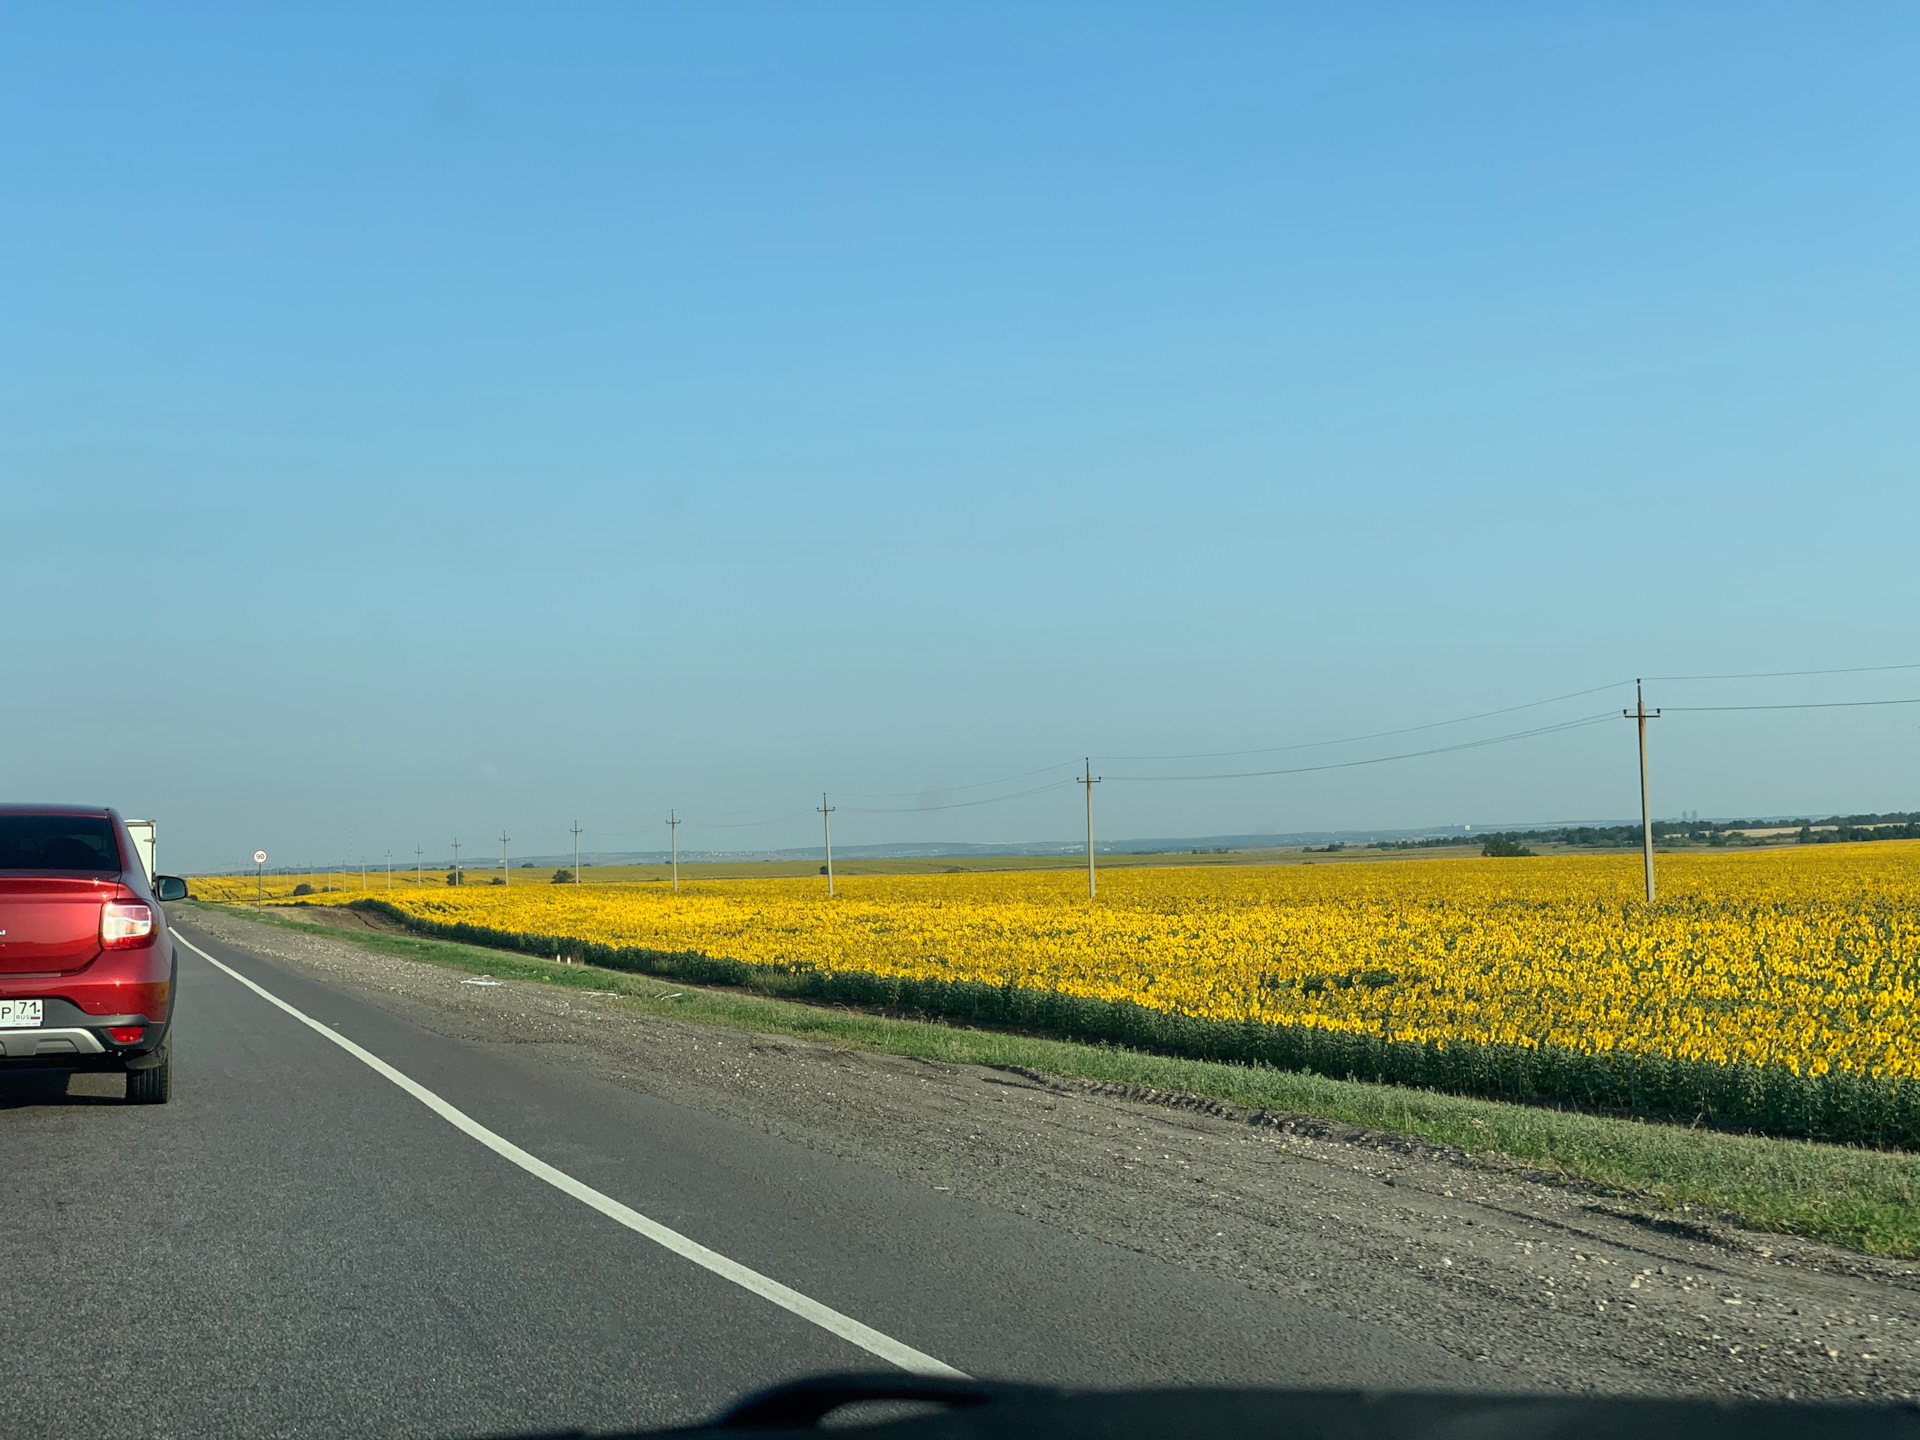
58 842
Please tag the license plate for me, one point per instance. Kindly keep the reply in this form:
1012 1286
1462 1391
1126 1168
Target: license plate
19 1014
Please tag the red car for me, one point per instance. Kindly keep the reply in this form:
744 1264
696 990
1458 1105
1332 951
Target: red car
87 968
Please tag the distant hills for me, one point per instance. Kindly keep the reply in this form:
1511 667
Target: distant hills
935 849
1585 832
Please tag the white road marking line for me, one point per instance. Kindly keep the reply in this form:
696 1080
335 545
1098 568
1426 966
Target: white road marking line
827 1318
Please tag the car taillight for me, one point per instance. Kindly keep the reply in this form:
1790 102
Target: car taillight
126 1034
123 926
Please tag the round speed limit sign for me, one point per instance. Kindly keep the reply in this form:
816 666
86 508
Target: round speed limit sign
259 857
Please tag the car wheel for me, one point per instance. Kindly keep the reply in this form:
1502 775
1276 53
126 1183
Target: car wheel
154 1084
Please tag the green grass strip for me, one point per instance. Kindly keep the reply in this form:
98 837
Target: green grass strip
1865 1199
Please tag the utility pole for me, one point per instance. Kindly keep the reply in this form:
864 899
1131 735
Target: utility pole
456 861
1641 714
389 870
673 830
363 872
506 876
576 852
826 828
1089 781
419 868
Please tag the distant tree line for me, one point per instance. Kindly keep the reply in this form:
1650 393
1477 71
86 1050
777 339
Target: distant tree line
1848 830
1895 825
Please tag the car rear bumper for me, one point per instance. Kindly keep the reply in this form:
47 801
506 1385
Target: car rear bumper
68 1036
48 1043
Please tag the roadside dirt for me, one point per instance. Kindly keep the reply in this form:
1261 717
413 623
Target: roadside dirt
340 917
1544 1285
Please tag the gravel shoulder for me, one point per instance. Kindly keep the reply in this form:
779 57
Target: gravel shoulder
1545 1286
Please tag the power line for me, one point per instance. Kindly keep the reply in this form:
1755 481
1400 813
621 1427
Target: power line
1410 755
701 824
768 818
764 810
1383 759
957 804
1377 734
975 785
1809 705
1783 674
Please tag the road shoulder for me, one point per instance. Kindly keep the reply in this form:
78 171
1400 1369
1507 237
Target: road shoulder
1544 1285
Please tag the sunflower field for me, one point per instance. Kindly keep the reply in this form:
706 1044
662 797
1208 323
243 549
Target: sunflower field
1773 988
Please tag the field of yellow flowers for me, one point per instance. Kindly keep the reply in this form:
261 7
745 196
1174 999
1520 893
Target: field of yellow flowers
1805 960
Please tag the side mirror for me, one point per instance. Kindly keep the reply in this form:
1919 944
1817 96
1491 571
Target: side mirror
169 887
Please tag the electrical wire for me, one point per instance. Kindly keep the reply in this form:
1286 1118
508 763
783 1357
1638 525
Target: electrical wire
777 819
1809 705
885 809
976 785
743 824
1383 759
742 814
957 804
1375 735
1784 674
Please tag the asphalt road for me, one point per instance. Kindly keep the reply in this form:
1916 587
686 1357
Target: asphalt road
298 1245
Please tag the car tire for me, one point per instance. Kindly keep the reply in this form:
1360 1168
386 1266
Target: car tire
153 1085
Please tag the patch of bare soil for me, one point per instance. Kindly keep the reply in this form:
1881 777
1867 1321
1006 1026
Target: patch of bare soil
342 918
1545 1285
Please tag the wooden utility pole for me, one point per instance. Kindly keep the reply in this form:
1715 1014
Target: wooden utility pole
419 868
1090 780
1641 715
389 870
576 852
456 860
506 875
826 829
673 830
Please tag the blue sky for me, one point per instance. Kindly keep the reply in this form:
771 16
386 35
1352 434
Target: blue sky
433 421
